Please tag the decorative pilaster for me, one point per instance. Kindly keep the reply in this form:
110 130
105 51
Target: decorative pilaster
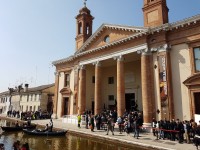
55 102
166 93
120 86
82 90
146 79
97 91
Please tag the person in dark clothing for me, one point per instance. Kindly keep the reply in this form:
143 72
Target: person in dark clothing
98 122
92 123
154 126
181 131
114 116
110 125
17 124
173 126
51 125
136 127
86 121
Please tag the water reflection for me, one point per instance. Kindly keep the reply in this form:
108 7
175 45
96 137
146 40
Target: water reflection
68 142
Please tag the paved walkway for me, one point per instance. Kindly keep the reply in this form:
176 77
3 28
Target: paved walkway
145 139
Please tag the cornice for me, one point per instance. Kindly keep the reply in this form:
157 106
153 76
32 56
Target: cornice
141 31
110 26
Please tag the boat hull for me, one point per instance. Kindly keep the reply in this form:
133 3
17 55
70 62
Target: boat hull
46 133
11 129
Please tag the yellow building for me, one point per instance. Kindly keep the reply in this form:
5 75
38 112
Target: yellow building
27 99
116 67
37 98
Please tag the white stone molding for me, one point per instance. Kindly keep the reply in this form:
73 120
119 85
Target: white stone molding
161 48
80 67
119 58
144 51
97 63
115 54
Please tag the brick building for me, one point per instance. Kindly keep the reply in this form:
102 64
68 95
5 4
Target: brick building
156 67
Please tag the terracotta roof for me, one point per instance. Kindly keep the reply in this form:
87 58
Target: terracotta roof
39 88
33 89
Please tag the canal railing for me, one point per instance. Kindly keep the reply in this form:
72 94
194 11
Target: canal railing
73 119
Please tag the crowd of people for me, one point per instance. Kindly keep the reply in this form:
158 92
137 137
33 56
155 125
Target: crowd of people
132 122
182 131
33 115
129 122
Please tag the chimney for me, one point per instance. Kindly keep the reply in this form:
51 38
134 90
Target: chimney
26 88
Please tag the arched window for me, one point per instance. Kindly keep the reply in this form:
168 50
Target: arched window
79 28
87 28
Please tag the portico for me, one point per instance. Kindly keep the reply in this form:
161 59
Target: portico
124 65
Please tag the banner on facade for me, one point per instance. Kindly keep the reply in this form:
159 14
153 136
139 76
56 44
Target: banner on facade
163 84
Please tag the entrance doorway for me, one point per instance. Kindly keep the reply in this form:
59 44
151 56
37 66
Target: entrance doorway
130 102
66 103
197 102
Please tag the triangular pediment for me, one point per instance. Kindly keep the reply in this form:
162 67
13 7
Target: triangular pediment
107 34
193 80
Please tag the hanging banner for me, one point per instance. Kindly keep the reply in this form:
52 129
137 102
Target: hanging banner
163 84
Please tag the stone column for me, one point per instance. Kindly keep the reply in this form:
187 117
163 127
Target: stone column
169 83
146 79
97 90
55 101
82 90
120 86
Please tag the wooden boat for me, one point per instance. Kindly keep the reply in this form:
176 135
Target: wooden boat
44 133
20 128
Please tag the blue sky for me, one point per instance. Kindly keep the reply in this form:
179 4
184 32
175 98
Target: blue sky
33 33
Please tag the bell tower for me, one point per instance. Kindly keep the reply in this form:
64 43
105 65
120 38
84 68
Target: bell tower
155 13
84 22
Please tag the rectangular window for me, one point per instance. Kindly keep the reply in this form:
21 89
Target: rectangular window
93 79
66 80
33 108
111 97
197 59
27 98
40 96
30 108
35 96
26 108
110 80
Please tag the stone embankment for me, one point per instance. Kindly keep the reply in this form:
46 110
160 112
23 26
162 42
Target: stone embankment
146 140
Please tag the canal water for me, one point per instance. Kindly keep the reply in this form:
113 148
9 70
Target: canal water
68 142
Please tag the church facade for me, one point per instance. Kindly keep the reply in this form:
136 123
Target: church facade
154 69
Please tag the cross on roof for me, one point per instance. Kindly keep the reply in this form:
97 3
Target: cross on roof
84 2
